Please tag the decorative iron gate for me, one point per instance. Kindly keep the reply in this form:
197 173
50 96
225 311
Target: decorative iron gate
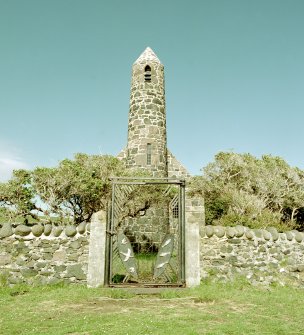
145 242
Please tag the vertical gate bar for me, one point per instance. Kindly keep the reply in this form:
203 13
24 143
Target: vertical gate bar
107 248
111 234
180 243
182 187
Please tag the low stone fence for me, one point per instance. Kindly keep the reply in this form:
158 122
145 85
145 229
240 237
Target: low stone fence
261 256
51 254
44 254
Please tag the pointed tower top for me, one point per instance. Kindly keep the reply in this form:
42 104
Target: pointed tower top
147 56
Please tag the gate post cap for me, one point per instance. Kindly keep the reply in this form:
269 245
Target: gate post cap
99 216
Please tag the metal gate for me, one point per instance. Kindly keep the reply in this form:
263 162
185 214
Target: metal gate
145 244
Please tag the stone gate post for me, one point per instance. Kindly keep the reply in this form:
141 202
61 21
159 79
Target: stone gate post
97 245
194 220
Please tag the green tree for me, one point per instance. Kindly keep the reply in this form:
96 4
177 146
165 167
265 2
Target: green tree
240 188
77 188
18 196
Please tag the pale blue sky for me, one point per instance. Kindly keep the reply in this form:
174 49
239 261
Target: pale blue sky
234 77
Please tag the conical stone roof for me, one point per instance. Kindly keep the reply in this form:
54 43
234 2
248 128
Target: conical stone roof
147 56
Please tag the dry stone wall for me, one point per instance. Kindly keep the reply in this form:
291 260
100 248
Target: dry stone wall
51 254
44 254
260 256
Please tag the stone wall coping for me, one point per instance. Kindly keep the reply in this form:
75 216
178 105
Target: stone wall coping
239 231
47 231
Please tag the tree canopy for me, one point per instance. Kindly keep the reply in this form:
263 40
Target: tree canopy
240 188
237 189
75 189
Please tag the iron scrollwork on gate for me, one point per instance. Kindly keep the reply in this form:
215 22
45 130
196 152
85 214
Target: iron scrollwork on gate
145 232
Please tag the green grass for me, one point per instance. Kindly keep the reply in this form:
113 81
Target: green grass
145 263
215 309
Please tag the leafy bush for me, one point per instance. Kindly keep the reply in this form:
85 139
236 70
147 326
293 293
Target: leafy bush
74 190
242 189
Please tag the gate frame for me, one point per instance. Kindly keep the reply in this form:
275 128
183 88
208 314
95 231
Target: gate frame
181 226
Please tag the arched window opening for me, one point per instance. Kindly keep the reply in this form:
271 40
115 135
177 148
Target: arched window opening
149 153
147 73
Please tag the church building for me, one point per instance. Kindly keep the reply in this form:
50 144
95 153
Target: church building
147 133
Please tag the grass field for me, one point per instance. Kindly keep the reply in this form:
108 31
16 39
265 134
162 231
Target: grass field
210 309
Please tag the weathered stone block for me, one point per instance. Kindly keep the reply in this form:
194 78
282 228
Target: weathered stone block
289 235
249 234
27 273
274 250
6 230
76 271
262 249
41 265
70 231
232 260
21 260
75 245
59 268
278 257
299 237
48 229
209 231
59 256
217 262
49 250
230 232
258 233
15 280
286 251
235 241
219 231
46 272
37 230
82 227
240 230
267 235
5 259
20 246
22 230
47 256
53 281
73 258
57 231
35 257
209 253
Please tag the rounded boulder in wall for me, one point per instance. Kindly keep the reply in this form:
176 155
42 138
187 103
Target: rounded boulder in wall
6 230
37 230
22 230
70 231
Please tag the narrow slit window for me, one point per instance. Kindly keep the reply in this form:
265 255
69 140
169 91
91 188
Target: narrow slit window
148 73
149 153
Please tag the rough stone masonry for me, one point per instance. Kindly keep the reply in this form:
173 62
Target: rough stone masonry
147 134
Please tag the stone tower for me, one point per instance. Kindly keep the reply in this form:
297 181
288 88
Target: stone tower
147 133
147 136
